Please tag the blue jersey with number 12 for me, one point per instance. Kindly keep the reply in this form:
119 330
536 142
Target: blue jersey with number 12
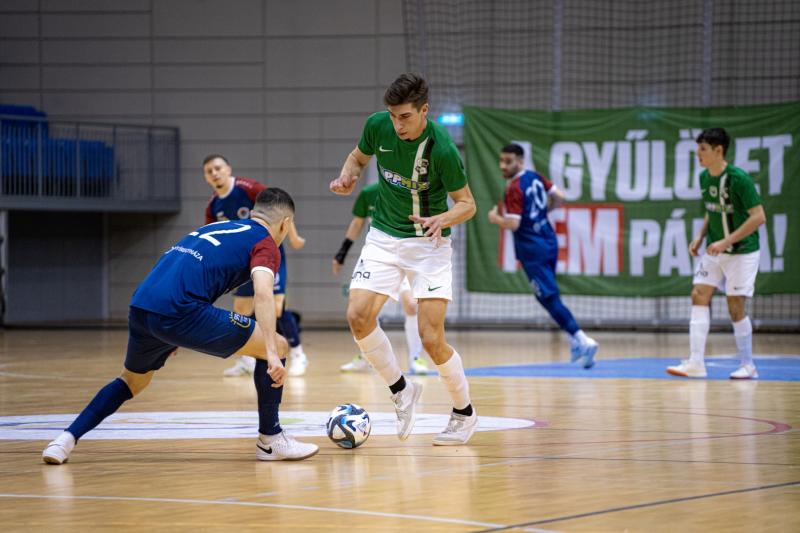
206 264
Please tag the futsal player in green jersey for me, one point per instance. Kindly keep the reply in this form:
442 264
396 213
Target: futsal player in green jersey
419 167
363 208
733 213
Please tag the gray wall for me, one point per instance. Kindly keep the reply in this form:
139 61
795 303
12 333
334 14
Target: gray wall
280 87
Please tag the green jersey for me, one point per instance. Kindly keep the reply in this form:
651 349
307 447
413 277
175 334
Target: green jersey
365 202
726 200
414 176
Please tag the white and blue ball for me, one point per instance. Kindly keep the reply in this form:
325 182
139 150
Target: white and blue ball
348 426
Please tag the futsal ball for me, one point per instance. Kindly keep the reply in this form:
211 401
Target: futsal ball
348 426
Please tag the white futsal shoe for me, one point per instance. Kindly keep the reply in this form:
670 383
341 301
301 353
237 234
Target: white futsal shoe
418 367
458 431
745 372
357 365
283 447
298 362
688 369
405 405
244 366
57 452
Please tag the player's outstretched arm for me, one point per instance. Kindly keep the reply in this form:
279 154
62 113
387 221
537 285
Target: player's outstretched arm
353 230
555 198
754 220
355 163
505 222
463 209
295 240
264 305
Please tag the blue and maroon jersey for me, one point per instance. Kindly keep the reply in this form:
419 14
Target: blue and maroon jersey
235 205
526 199
206 264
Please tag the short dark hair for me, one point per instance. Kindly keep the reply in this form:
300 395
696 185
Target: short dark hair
273 201
513 149
715 137
409 88
211 157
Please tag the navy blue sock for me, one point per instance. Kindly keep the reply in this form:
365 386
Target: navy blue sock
105 403
287 326
269 400
560 313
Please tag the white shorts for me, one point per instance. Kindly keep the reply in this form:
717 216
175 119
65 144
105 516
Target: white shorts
734 274
385 261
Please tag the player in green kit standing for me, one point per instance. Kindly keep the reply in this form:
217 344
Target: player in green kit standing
418 167
733 213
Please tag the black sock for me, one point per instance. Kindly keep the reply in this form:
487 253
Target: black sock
467 411
398 386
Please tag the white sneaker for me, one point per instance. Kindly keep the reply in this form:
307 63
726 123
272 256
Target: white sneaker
588 351
244 366
419 367
745 372
458 431
298 362
57 452
688 369
283 447
405 405
358 364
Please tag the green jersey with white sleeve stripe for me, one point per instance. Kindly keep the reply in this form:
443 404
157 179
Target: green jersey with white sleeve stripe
414 176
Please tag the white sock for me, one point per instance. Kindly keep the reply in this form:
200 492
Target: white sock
743 333
413 341
698 332
579 338
377 349
452 375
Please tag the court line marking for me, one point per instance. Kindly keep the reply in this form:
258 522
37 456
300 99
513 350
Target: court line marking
260 504
642 505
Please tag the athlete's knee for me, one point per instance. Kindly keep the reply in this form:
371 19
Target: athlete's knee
359 319
432 338
736 308
136 382
701 295
282 345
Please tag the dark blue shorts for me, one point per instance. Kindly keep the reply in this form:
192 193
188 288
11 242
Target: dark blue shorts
542 275
153 337
245 290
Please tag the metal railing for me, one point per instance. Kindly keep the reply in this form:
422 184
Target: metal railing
56 165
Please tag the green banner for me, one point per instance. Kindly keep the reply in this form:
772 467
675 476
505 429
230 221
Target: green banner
631 179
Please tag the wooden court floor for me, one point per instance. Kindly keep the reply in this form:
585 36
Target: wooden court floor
593 455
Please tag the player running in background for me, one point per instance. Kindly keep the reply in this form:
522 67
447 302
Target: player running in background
418 167
528 197
172 307
362 209
232 200
733 213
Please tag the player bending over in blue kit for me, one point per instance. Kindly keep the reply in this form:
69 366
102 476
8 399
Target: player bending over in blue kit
528 196
172 308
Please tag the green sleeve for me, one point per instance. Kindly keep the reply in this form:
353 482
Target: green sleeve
361 206
367 142
745 191
451 169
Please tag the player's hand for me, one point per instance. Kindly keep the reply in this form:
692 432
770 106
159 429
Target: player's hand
694 246
298 242
276 371
433 225
718 247
344 184
336 267
494 216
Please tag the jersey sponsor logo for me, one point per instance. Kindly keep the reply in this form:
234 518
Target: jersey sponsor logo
243 212
717 208
360 273
194 253
422 167
712 190
396 179
221 216
382 149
